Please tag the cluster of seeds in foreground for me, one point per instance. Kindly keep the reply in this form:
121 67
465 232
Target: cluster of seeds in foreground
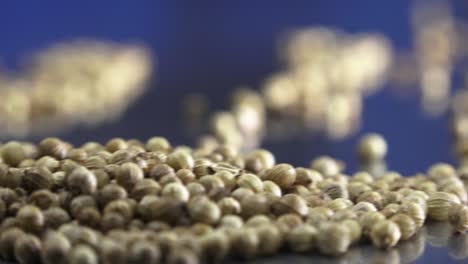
134 202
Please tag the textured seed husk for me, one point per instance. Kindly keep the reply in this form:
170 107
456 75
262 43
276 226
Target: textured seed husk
439 204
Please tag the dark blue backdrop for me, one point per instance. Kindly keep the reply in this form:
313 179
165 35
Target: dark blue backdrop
214 47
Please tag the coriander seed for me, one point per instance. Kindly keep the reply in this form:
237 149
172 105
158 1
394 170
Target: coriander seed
439 204
250 181
54 147
27 249
231 221
390 210
116 144
78 155
369 220
55 248
13 153
54 217
143 252
180 160
30 218
3 210
290 203
385 234
240 193
458 217
244 243
203 210
112 252
186 175
372 197
272 188
270 239
303 238
145 187
81 181
112 221
83 254
43 199
335 190
169 210
282 174
229 205
195 189
333 238
326 166
406 224
185 256
288 222
307 177
355 229
121 207
213 185
111 192
414 211
89 216
254 204
339 204
8 238
158 144
176 191
48 162
215 247
80 202
372 147
160 170
259 160
363 207
37 178
129 175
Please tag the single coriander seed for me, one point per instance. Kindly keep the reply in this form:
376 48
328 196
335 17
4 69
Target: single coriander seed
81 181
30 218
406 224
129 175
385 234
458 217
282 174
302 238
28 249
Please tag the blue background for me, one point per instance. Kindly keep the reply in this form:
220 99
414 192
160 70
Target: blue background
212 47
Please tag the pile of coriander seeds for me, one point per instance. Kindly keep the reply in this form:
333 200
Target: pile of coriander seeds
134 202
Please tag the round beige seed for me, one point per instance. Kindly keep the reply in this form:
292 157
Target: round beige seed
282 174
458 217
129 175
439 204
385 234
28 249
302 238
333 238
180 160
406 224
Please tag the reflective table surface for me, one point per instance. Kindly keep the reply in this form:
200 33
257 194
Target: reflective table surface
213 49
433 244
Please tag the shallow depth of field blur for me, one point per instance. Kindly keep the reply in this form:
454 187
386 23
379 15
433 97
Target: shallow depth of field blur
181 49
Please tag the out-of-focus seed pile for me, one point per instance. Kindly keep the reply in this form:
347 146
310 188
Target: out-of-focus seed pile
134 202
327 74
439 52
82 82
